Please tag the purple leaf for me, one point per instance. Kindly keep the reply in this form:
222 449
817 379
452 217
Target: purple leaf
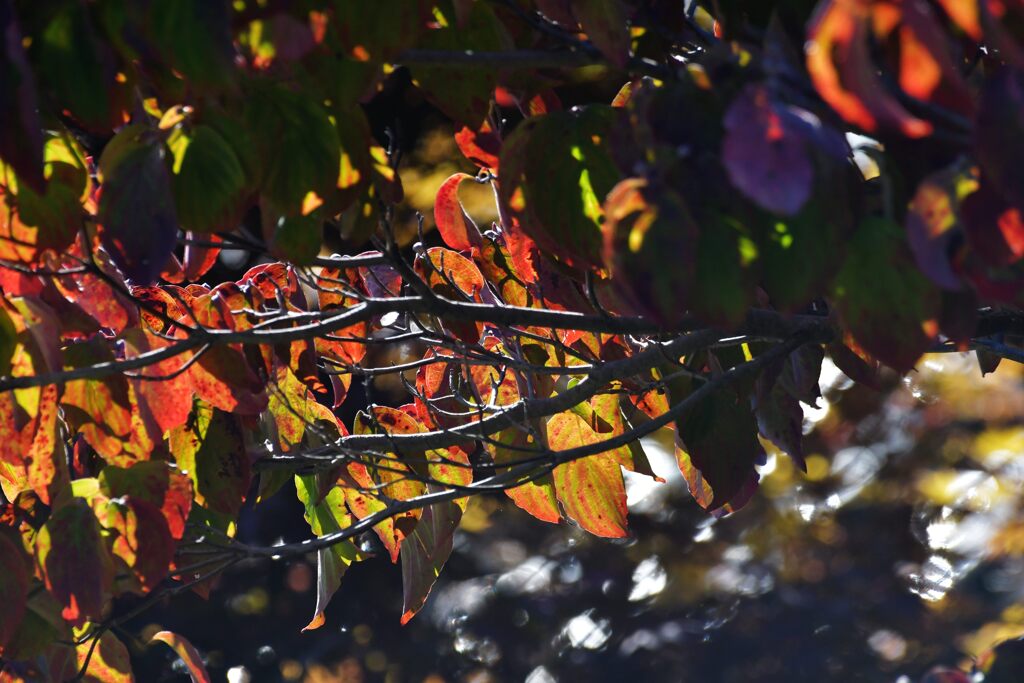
136 209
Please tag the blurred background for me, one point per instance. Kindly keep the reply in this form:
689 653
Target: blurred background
902 547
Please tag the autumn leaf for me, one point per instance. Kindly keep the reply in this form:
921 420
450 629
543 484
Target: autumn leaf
457 229
424 554
141 538
210 449
590 489
21 139
890 307
137 192
74 563
157 482
326 515
189 655
717 449
108 660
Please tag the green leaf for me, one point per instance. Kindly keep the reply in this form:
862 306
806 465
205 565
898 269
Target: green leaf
326 515
195 37
798 254
14 585
464 94
650 244
724 281
888 305
297 144
424 554
79 69
155 481
556 172
605 24
210 448
74 563
209 182
139 224
378 30
717 448
297 239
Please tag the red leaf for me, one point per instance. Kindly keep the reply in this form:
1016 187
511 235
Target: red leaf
994 228
74 563
199 259
456 227
481 146
839 62
163 391
154 481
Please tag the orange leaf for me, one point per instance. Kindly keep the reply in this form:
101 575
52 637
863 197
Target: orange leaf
456 227
590 489
188 654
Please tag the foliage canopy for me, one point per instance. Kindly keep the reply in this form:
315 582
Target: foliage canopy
681 232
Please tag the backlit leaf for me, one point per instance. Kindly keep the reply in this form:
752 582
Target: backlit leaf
210 449
108 660
889 306
590 489
188 654
297 144
457 229
209 182
557 171
481 146
156 482
717 448
74 563
136 209
605 24
424 554
326 515
21 140
141 538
